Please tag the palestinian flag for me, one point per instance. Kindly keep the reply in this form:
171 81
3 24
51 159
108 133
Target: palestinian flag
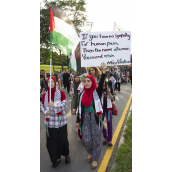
62 31
72 63
75 62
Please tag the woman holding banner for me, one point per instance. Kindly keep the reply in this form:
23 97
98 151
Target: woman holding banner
89 116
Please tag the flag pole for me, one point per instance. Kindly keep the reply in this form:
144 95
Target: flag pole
50 63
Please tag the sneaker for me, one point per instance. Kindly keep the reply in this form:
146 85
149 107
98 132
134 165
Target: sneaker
105 142
110 144
67 159
56 164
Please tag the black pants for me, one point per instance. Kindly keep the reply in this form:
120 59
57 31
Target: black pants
57 143
66 84
131 80
118 83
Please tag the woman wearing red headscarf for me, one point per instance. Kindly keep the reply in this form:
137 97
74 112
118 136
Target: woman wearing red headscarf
56 123
89 117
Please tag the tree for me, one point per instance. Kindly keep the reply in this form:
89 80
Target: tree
59 60
45 53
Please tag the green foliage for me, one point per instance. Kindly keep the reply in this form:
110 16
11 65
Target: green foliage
45 53
128 130
56 59
123 157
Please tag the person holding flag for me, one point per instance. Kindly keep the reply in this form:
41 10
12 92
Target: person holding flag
64 34
56 123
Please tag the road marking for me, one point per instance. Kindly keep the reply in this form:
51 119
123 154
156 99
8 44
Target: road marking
109 150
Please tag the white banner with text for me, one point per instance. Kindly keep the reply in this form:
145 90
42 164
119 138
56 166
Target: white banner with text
113 48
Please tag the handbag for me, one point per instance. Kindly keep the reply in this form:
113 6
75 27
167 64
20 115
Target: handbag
104 122
114 109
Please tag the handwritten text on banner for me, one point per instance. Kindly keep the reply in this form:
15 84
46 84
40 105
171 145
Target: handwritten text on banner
113 48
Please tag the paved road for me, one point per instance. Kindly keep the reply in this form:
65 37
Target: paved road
77 151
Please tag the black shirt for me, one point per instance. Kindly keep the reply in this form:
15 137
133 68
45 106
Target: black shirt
42 84
66 76
110 83
44 80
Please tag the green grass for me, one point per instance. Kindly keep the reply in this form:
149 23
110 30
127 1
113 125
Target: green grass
123 157
47 68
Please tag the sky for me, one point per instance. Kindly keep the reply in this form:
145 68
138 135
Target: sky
103 14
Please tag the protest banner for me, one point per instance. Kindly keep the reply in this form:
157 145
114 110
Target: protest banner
113 48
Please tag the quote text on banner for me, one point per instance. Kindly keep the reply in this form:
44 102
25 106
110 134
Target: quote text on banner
113 48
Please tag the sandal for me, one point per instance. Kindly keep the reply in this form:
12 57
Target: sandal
89 160
94 167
